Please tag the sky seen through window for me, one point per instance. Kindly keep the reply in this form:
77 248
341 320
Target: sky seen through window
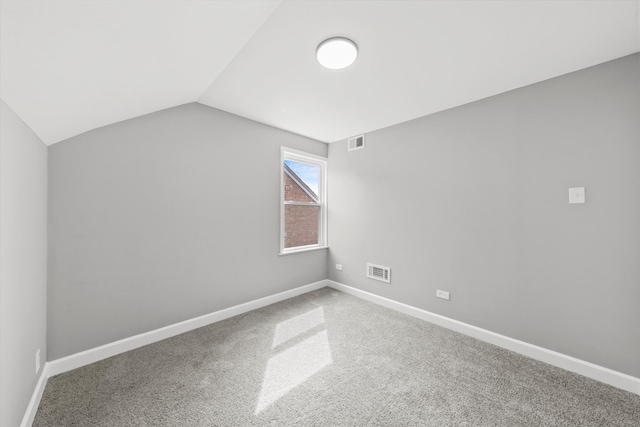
309 174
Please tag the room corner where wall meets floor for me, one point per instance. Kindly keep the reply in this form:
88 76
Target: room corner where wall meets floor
104 352
301 361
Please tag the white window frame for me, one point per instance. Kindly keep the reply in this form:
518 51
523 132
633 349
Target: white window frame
321 162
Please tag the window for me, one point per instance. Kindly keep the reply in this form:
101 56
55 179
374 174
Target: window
303 191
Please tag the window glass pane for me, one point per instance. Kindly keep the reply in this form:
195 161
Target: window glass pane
303 211
301 225
301 182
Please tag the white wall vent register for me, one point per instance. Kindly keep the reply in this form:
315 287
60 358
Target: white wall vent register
356 142
378 272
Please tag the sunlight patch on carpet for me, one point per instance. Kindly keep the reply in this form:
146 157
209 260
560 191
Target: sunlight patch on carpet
291 367
297 325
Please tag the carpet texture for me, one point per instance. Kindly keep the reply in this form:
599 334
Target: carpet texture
328 359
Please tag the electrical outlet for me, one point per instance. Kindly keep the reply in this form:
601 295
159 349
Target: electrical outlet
37 361
339 267
442 294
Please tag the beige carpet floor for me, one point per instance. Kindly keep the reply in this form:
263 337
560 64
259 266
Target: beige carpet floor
328 359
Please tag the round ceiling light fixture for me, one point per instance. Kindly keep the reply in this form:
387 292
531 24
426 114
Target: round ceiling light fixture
337 53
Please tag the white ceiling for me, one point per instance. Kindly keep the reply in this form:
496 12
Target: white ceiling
71 66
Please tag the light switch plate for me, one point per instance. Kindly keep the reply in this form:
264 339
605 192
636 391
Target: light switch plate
576 195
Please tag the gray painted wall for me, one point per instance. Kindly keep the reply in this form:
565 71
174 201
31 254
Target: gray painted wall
23 263
164 218
474 200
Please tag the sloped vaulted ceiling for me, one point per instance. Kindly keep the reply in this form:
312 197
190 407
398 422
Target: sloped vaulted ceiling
71 66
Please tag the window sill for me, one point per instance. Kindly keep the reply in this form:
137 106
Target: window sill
297 251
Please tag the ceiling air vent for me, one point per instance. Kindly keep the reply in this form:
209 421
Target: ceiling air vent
356 142
378 272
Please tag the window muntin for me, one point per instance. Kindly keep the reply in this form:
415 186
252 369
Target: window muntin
303 201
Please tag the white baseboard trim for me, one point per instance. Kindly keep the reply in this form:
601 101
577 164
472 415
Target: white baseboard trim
58 366
34 402
87 357
590 370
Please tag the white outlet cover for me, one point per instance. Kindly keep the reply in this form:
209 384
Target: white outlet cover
442 294
576 195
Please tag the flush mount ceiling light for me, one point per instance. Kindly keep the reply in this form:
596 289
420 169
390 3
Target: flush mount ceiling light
337 53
